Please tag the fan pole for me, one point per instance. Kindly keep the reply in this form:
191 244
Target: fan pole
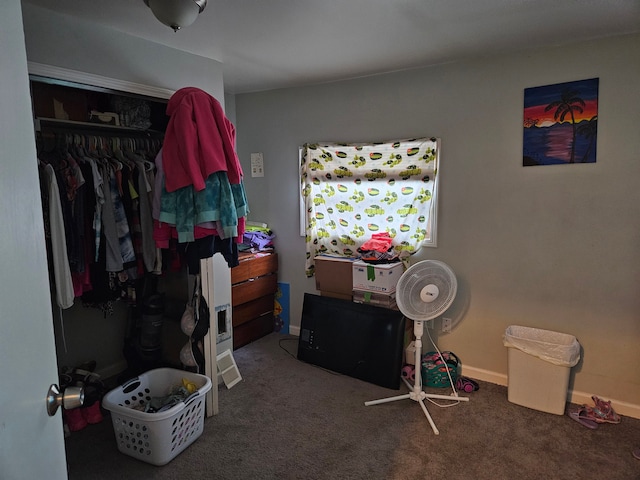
417 394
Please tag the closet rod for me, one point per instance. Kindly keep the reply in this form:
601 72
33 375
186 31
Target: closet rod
70 126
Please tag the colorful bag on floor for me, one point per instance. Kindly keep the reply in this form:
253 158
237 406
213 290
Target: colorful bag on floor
434 369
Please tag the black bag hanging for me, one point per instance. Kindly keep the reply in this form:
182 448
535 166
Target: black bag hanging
195 323
201 312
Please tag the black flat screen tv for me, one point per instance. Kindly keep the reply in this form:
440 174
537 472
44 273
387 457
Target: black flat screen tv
356 339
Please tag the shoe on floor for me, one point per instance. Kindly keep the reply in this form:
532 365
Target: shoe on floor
92 413
584 416
74 419
603 411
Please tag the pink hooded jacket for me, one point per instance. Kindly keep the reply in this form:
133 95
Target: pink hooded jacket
199 141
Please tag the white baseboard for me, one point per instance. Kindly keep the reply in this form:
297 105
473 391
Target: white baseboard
294 331
622 408
485 375
574 396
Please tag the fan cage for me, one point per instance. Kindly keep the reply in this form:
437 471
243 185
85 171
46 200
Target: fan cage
415 279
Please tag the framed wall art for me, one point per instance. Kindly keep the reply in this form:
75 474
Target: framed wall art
560 123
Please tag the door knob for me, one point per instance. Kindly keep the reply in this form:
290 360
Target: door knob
72 397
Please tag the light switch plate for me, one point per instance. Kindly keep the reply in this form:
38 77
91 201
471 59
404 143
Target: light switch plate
257 165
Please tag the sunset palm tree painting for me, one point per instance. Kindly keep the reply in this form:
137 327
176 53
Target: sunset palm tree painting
560 123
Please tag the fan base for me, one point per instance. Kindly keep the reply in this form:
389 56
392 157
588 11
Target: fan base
417 394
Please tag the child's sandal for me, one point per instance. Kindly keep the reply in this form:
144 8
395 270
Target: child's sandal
604 411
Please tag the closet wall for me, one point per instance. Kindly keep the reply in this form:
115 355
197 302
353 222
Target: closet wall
66 43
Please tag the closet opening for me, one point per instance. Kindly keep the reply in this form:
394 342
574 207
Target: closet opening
113 319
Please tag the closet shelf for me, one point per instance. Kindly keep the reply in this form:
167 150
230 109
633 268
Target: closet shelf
49 123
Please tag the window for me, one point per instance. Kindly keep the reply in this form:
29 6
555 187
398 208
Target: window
351 191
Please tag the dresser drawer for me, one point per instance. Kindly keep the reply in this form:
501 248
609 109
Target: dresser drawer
253 330
254 267
252 309
254 283
252 289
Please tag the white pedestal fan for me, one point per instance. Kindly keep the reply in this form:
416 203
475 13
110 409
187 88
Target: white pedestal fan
424 292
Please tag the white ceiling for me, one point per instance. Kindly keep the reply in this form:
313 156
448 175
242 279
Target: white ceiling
265 45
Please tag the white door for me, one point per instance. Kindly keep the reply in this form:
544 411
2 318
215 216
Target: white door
31 442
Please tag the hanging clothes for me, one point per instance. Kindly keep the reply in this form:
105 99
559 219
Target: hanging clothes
200 197
62 273
199 141
102 219
144 190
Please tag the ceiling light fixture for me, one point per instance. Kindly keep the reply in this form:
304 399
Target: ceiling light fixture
176 13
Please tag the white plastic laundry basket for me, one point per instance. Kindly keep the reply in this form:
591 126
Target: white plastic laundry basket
157 438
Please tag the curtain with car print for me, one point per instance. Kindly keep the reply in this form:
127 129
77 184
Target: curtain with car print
351 191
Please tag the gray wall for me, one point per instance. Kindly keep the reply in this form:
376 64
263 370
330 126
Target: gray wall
64 42
551 247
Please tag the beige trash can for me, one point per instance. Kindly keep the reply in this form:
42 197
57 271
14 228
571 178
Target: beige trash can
539 364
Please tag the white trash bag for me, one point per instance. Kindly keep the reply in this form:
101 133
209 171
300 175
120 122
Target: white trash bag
553 347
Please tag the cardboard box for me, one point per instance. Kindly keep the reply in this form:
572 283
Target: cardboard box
342 296
381 277
374 298
334 276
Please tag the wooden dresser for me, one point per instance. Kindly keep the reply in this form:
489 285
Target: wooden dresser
254 283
